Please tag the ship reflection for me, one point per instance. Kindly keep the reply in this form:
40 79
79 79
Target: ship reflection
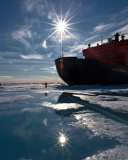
69 98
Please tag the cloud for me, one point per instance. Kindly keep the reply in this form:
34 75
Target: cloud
51 15
52 70
120 15
49 55
91 38
36 6
22 35
8 55
102 27
123 29
25 70
77 49
44 44
32 56
5 77
29 5
10 62
66 54
14 98
116 20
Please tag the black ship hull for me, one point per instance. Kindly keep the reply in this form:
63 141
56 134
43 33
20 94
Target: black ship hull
76 71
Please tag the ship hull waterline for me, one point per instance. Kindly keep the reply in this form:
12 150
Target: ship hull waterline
74 71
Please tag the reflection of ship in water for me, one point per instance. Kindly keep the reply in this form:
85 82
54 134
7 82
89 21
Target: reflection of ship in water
69 98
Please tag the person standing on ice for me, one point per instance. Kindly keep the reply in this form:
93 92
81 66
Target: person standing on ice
45 84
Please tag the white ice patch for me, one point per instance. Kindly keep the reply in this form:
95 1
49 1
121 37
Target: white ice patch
118 103
99 125
117 153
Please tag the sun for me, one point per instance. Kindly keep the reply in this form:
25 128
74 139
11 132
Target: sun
61 26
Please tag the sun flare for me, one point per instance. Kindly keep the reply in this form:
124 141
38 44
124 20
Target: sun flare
61 26
62 140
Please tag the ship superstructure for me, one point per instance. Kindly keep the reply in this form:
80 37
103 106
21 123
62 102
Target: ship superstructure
114 51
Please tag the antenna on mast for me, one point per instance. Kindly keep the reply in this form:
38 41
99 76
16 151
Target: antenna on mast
62 51
101 40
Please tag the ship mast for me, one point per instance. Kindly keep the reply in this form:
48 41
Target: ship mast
62 50
61 45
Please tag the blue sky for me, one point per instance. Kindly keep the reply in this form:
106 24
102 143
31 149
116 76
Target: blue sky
27 49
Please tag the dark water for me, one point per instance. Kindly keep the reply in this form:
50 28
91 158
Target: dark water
31 125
